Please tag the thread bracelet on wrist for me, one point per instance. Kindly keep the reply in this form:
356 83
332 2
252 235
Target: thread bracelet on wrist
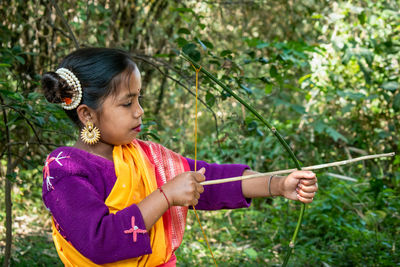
162 191
269 185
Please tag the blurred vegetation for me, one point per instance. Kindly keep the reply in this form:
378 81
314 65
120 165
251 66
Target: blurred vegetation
325 73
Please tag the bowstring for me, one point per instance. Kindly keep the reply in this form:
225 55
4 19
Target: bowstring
195 163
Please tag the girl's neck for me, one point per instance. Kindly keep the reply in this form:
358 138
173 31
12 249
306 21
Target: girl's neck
100 149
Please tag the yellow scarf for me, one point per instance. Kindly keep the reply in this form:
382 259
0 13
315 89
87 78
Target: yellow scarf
134 182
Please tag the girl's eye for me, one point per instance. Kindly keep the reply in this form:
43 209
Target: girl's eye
140 99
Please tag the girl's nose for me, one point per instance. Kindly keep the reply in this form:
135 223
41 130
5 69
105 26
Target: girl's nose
138 111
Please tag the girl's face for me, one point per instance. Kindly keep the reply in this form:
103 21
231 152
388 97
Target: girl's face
120 116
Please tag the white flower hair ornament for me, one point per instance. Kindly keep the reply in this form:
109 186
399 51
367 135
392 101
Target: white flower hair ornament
73 82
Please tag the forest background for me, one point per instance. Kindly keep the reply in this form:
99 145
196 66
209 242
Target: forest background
325 73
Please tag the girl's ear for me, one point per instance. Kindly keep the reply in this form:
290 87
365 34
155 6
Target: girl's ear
86 114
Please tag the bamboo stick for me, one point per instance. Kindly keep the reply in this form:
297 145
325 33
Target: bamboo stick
315 167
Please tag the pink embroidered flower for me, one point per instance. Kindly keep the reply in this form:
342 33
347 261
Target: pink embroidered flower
134 230
46 170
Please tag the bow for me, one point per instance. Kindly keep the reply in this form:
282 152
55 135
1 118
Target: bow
271 128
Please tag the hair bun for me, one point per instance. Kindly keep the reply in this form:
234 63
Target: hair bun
55 88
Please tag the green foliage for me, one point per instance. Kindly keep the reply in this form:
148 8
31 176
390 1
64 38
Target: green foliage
325 74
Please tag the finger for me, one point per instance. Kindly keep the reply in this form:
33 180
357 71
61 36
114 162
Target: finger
308 181
303 175
197 195
202 170
304 200
199 175
305 194
200 188
309 189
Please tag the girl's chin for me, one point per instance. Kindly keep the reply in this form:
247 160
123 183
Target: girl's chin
125 142
133 137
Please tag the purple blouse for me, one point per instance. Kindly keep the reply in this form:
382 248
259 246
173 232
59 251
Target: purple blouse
77 183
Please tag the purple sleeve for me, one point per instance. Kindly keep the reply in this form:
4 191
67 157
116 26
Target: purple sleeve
221 196
84 218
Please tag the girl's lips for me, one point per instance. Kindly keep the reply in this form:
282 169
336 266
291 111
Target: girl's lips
137 129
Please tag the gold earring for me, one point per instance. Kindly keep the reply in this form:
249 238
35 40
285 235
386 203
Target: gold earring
90 134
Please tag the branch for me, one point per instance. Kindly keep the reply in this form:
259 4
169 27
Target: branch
26 119
314 167
32 143
60 14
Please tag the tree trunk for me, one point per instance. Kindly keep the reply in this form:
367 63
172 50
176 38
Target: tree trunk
7 198
161 94
8 204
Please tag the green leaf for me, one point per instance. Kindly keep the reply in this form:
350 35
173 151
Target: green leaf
183 31
14 120
263 60
251 253
396 160
268 88
40 120
299 109
335 134
163 55
396 102
247 89
153 135
252 42
351 94
251 54
319 126
265 79
259 132
305 77
374 216
391 86
252 125
16 49
183 10
11 177
181 41
225 53
273 72
362 17
210 99
207 44
20 59
7 93
262 45
317 16
191 50
34 95
214 62
52 119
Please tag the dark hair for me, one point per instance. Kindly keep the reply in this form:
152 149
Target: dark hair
97 69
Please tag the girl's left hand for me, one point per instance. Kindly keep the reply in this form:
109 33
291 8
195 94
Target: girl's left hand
300 185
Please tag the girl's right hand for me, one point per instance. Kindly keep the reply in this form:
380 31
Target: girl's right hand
185 188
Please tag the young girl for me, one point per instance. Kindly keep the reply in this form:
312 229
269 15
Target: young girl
120 201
